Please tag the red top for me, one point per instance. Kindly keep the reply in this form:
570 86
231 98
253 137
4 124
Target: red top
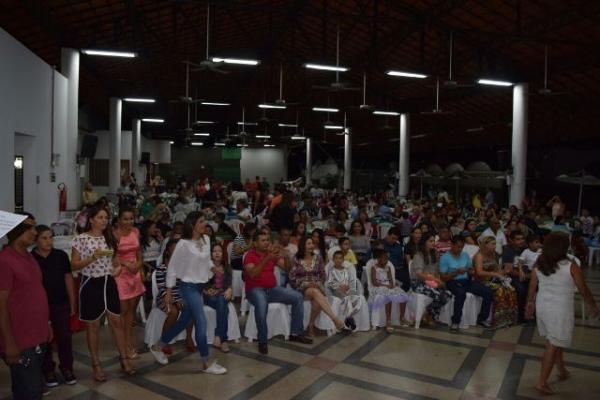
266 279
21 276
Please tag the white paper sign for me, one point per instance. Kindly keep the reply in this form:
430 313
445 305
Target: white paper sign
8 221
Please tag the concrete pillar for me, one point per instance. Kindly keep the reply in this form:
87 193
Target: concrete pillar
114 149
519 143
308 161
70 69
348 159
404 156
136 150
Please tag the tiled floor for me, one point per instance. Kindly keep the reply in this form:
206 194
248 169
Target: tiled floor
409 364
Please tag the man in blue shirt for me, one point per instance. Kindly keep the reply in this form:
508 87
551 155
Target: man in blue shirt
456 269
395 251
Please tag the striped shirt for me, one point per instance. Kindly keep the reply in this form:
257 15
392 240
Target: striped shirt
161 283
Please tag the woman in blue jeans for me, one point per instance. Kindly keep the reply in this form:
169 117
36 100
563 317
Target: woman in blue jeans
217 295
192 266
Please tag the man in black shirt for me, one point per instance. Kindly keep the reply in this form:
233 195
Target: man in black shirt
60 289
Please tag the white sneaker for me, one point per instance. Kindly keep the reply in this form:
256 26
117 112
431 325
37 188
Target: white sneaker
215 369
160 357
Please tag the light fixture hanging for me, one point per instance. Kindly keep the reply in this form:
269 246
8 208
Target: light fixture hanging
202 134
214 103
405 74
274 106
322 67
158 120
109 53
326 109
237 61
494 82
138 100
379 112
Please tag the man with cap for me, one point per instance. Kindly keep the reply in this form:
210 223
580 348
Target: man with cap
24 315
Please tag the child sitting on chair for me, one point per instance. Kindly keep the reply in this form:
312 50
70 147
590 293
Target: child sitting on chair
341 281
384 291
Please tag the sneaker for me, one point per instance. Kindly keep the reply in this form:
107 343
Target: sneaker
51 380
454 328
300 339
263 348
484 324
45 390
350 323
404 324
160 357
70 379
215 369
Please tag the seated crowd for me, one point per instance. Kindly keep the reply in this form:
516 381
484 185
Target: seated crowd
338 251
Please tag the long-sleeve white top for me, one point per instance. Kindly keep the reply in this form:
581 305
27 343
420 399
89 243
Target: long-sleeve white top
190 262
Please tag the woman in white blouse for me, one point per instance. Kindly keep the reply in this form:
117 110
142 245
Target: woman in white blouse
191 264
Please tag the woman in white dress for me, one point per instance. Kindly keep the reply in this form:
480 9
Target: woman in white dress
556 278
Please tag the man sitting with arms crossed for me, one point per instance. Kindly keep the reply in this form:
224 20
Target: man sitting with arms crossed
262 289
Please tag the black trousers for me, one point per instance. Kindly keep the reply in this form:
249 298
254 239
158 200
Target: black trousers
26 376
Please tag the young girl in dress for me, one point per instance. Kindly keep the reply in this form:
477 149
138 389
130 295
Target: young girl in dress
384 291
341 281
217 295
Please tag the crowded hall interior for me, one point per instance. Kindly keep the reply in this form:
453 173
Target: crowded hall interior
294 199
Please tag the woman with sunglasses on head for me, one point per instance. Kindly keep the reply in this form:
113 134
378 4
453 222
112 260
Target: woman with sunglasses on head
93 252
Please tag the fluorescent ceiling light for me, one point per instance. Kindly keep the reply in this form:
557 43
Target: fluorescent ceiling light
333 127
159 120
219 144
269 145
201 134
298 138
326 67
276 106
419 136
325 109
197 144
247 123
214 103
171 142
138 100
494 82
263 136
205 122
242 145
406 74
108 53
239 61
386 113
287 125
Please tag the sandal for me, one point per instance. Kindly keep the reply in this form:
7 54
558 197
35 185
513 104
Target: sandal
388 327
225 347
98 377
190 348
133 355
544 390
563 376
310 332
127 371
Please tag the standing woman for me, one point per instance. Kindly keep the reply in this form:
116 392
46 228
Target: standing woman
191 264
94 254
129 281
556 277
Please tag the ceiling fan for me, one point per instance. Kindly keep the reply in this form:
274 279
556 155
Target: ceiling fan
437 110
337 86
186 97
280 102
207 63
546 91
451 83
364 106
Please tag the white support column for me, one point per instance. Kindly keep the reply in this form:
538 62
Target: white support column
308 161
348 160
70 69
519 143
404 156
114 149
136 150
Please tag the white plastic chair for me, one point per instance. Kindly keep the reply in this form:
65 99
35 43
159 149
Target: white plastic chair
471 309
236 225
417 305
237 283
378 319
156 319
382 229
141 310
278 322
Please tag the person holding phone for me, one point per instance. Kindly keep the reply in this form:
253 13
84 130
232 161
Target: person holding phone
456 269
94 254
24 314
